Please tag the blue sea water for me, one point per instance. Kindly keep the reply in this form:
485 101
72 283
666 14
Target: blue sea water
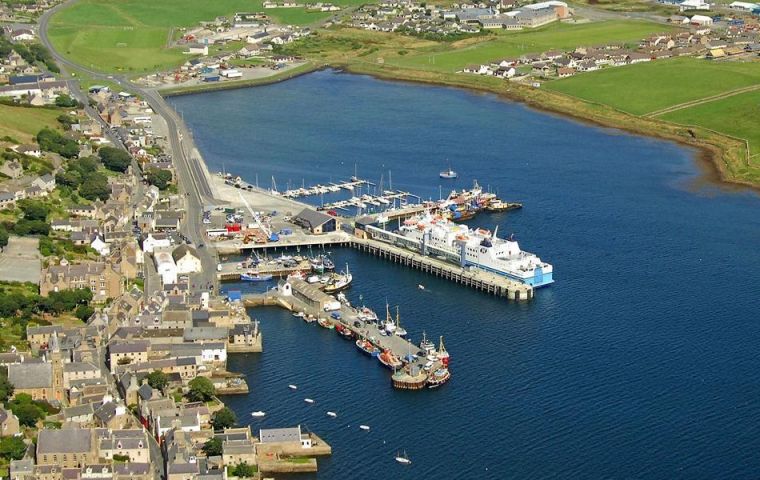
640 361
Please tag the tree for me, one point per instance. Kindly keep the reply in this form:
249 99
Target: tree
115 159
26 410
31 227
64 100
158 177
12 448
84 312
33 209
201 389
224 418
213 447
158 380
244 470
94 187
6 388
3 237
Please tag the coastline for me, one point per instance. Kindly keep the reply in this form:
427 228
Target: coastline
720 155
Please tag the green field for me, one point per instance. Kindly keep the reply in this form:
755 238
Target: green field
132 35
560 36
648 87
23 123
738 115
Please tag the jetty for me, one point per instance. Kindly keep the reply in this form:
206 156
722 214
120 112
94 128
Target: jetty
314 306
231 271
323 189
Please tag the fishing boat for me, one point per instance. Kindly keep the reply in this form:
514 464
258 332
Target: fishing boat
400 331
293 387
388 359
308 400
255 277
438 378
325 323
339 282
448 174
442 354
500 206
258 414
403 459
364 427
344 331
389 325
322 263
332 414
426 345
367 347
296 276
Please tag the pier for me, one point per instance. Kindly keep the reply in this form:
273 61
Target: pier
322 189
474 278
231 271
315 306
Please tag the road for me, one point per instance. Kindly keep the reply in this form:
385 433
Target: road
191 174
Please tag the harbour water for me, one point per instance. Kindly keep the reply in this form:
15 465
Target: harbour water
640 361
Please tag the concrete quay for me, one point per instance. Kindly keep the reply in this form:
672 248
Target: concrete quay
231 273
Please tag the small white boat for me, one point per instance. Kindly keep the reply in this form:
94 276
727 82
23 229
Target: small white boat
258 413
292 387
299 314
421 286
308 400
332 414
403 459
364 427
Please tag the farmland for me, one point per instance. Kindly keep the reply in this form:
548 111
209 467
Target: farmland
132 35
22 123
648 87
736 115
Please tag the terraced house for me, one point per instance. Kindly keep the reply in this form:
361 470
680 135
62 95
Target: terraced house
99 277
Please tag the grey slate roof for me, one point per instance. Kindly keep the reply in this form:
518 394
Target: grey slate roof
31 375
70 440
269 435
313 218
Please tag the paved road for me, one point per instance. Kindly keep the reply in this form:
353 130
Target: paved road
191 174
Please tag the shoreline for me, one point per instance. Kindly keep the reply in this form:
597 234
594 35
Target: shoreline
717 155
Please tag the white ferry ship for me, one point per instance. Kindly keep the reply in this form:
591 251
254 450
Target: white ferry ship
479 248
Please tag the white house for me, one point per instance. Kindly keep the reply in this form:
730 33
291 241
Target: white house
197 49
100 246
165 266
213 353
187 260
22 35
694 5
701 20
156 240
745 6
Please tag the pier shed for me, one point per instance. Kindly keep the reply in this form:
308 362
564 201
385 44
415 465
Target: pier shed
312 296
316 222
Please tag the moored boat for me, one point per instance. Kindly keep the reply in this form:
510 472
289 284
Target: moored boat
403 458
367 347
426 345
344 331
255 277
442 354
339 282
388 359
438 377
325 323
501 206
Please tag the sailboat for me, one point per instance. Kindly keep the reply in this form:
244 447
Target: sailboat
448 174
403 458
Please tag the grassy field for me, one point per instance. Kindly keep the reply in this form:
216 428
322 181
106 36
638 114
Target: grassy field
737 116
562 36
23 123
132 35
647 87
